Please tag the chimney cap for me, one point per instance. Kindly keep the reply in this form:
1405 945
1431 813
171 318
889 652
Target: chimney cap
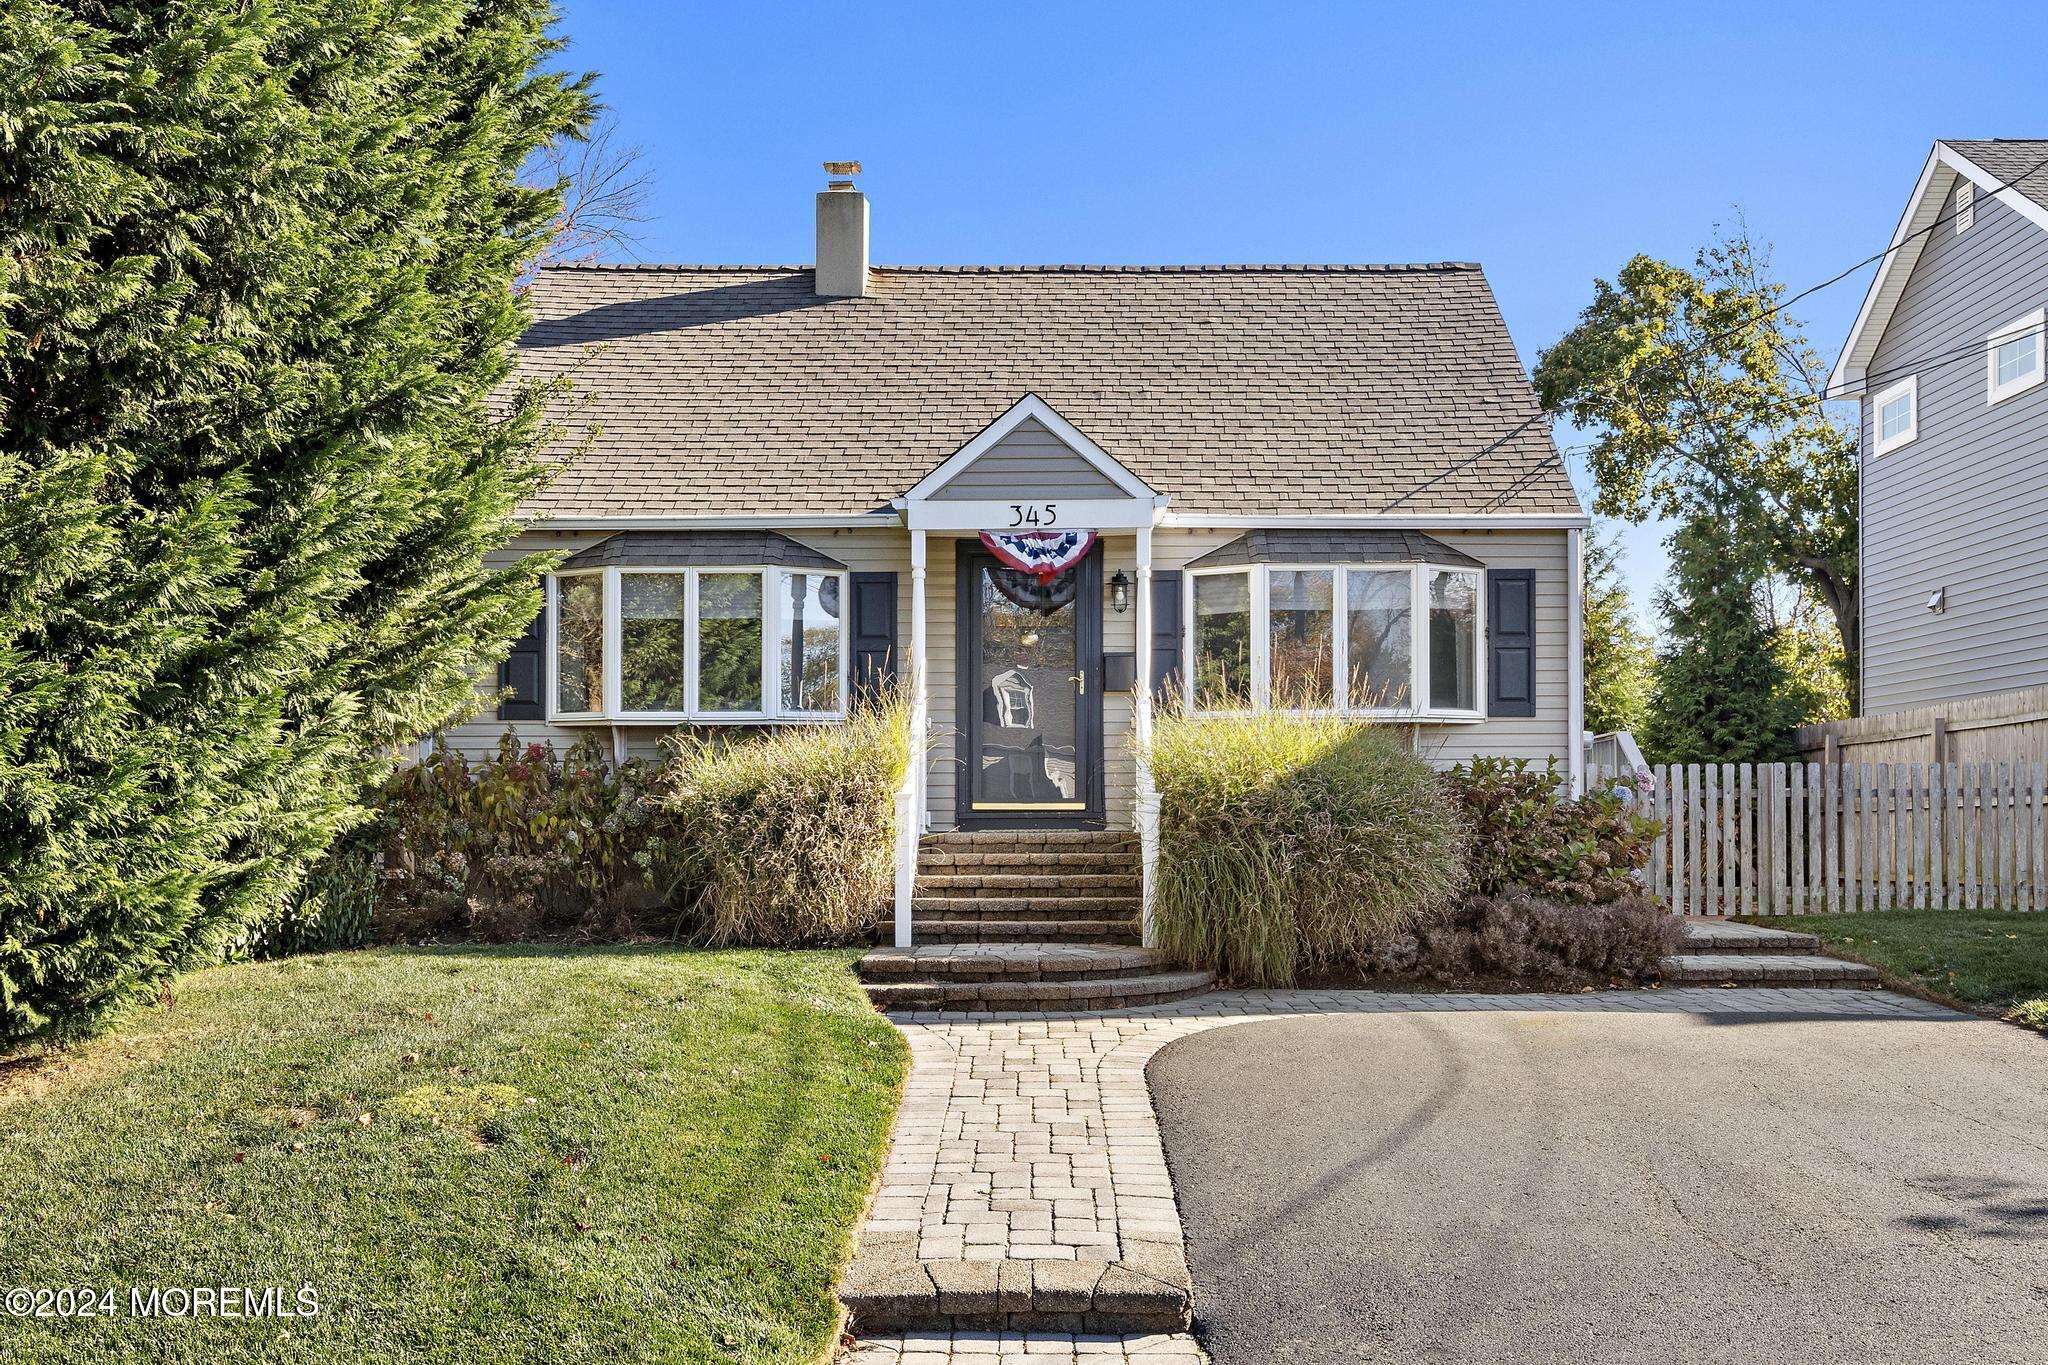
840 169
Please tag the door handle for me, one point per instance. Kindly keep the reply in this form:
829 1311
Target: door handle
1080 682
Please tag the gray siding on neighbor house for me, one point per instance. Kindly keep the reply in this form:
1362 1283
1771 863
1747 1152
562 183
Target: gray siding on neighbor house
1964 507
1029 461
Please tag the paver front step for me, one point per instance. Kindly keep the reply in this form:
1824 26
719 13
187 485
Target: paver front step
1052 1296
982 840
1097 993
1766 969
1024 907
1029 883
1119 931
1726 936
1026 860
1008 962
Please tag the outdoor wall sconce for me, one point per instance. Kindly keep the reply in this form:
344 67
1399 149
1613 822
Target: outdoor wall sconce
1120 591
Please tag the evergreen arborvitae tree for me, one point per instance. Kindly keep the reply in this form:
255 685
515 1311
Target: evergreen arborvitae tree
1720 694
1620 659
256 286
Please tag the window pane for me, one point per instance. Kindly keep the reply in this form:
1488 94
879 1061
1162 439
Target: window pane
1301 617
729 642
1379 619
651 641
1897 415
579 642
1223 640
1454 641
809 647
2016 358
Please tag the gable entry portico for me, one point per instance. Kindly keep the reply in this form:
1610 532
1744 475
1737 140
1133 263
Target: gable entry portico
1029 470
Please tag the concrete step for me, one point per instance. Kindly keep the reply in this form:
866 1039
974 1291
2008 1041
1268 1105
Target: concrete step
991 930
1026 860
1016 884
1087 993
987 962
1765 969
1025 907
982 840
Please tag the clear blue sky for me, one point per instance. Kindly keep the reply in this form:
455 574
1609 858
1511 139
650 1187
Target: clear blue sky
1548 143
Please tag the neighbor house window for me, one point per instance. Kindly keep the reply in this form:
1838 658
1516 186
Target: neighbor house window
698 644
1337 638
2012 356
1898 415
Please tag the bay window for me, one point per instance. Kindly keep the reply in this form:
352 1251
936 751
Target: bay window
678 644
1395 640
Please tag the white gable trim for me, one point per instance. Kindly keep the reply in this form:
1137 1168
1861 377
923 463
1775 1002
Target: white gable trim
1026 408
1888 286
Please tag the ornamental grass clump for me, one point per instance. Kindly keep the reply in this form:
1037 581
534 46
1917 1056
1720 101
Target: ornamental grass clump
1290 844
787 838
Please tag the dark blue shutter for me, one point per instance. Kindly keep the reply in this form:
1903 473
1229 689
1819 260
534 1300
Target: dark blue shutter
873 625
1165 633
1511 640
521 682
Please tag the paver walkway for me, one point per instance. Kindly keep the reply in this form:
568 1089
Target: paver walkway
1030 1139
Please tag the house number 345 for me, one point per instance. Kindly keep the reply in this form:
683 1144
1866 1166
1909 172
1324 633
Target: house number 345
1034 514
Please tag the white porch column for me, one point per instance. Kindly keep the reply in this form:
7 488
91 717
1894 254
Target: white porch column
911 814
1141 722
1575 659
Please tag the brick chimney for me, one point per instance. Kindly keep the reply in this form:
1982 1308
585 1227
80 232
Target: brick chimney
842 234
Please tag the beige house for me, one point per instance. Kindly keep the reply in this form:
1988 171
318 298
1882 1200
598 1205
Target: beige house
1325 486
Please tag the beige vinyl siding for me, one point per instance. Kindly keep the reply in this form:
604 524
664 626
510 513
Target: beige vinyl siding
1028 462
1964 507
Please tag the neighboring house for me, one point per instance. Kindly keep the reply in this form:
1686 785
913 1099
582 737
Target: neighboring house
1947 358
1319 484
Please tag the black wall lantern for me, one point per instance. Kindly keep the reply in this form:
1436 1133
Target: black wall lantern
1120 591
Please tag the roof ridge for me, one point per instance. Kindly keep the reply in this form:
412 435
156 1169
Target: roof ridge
1276 268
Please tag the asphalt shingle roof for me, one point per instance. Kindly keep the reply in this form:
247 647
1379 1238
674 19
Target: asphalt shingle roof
1333 547
2017 162
1263 390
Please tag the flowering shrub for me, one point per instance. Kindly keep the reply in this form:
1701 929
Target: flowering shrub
1527 835
524 842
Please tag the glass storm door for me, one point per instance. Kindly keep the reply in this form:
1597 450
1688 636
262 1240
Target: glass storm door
1032 713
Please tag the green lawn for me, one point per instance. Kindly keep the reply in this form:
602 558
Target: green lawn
469 1154
1988 960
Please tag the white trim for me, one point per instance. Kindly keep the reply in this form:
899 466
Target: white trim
795 521
1093 514
1368 521
1923 209
1881 444
2032 324
1027 408
1575 662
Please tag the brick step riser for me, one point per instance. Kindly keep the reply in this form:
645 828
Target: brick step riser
1015 887
967 840
1119 933
1764 950
1027 864
1009 907
1076 1324
959 997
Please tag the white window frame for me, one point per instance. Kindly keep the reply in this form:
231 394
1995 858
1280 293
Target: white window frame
2034 323
774 613
1260 579
1881 444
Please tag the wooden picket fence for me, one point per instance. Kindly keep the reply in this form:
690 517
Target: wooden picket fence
1808 838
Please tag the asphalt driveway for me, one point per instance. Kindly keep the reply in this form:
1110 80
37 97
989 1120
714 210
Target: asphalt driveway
1594 1187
